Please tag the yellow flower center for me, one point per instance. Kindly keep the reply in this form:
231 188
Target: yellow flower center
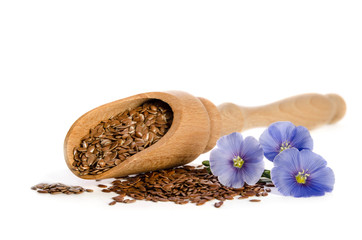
302 177
238 162
285 145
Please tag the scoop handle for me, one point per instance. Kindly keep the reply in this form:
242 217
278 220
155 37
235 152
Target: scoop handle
309 110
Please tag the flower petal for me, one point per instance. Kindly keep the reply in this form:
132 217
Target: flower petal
251 172
273 137
300 190
231 143
269 145
322 180
302 139
283 180
312 162
290 160
220 161
251 150
281 131
289 163
231 179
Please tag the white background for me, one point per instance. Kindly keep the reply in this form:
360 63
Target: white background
59 59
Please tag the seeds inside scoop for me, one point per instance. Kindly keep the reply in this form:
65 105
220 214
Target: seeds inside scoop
113 141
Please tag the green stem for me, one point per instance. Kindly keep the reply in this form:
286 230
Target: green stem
265 177
206 163
266 174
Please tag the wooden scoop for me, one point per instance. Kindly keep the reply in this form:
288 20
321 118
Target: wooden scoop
198 123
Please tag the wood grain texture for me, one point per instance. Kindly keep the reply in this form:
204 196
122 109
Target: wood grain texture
215 123
185 140
198 123
309 110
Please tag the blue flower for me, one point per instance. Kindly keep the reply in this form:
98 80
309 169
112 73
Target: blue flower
280 136
237 161
301 174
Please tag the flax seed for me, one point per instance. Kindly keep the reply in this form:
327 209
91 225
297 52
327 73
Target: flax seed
114 140
57 188
42 191
181 185
218 204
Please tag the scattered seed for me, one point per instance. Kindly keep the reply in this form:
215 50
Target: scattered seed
57 188
250 193
181 185
218 204
42 191
119 198
243 197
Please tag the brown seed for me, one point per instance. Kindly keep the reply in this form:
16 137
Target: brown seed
118 198
179 185
243 197
153 129
153 108
218 204
102 185
133 145
91 149
42 191
101 163
121 136
113 146
89 190
55 192
139 134
112 203
254 200
91 159
57 188
201 202
118 161
250 193
168 187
